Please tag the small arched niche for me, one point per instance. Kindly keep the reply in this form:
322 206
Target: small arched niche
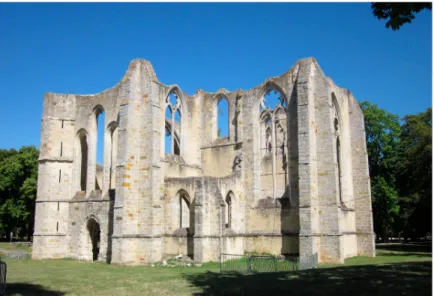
229 200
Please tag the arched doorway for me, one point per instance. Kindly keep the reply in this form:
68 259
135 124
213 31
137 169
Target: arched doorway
94 232
186 219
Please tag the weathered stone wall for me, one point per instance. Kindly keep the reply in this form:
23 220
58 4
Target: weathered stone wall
218 160
361 182
54 179
80 212
310 194
207 227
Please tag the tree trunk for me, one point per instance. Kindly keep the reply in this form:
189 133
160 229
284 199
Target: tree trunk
385 234
30 228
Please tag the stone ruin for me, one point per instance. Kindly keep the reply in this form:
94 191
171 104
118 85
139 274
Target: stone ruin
290 178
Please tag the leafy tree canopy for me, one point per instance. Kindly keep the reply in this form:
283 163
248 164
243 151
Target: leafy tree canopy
399 13
382 136
18 179
414 173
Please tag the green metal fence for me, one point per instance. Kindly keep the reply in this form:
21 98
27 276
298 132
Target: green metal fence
261 263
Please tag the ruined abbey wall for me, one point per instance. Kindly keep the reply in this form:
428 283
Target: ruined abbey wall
291 179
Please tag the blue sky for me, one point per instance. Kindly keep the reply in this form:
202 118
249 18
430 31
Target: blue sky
85 48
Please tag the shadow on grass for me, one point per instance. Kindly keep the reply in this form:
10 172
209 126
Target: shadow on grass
410 247
411 278
387 254
15 289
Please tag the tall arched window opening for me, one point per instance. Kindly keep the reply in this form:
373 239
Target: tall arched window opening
99 170
222 117
83 151
173 126
273 146
338 158
177 133
337 134
113 157
168 131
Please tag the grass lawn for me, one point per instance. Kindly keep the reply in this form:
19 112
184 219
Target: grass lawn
398 269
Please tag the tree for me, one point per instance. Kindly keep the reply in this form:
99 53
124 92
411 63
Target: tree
399 13
414 174
18 179
382 136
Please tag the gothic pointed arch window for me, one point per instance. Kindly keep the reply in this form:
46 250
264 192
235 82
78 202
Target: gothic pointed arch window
272 139
272 98
222 117
173 123
168 130
337 140
113 130
82 151
99 145
272 108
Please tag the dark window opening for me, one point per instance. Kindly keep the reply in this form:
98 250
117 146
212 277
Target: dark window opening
83 162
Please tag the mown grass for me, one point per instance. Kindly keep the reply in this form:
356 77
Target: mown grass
259 264
14 246
395 271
